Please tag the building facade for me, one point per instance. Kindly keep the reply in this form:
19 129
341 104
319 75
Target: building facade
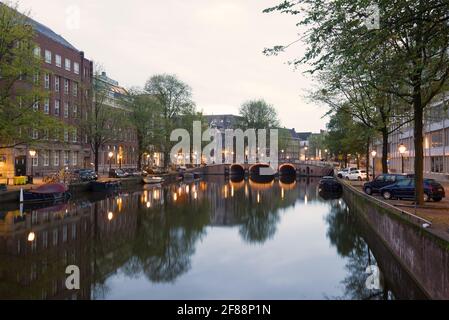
436 144
66 72
124 145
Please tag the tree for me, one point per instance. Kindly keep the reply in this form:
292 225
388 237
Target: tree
258 114
410 47
103 120
20 82
146 114
175 98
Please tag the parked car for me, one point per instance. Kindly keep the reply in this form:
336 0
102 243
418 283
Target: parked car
405 189
117 173
342 174
383 180
86 175
357 175
329 184
133 172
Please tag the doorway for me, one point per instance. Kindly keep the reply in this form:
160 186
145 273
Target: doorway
20 166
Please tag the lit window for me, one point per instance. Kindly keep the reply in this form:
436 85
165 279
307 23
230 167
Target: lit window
46 156
47 56
35 160
58 61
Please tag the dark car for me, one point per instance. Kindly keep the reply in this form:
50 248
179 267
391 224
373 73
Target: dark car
383 180
330 184
405 189
117 173
86 175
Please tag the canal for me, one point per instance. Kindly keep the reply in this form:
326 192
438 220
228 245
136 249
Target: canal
211 239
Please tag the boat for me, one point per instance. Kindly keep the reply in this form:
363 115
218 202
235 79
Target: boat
47 193
105 186
152 180
190 176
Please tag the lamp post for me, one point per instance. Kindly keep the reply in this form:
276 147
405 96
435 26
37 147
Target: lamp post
402 150
110 155
373 154
32 155
120 161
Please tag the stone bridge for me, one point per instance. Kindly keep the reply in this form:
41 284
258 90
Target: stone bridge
302 169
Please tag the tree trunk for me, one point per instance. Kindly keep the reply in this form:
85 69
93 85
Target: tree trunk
96 155
368 140
419 150
384 150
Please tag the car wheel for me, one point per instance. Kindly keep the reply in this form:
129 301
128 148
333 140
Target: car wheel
368 191
386 195
426 197
340 176
437 199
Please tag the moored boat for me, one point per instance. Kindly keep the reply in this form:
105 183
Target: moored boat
105 186
47 193
152 180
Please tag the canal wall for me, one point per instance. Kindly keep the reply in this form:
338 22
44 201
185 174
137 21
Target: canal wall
422 252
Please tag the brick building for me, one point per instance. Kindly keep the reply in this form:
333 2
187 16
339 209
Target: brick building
66 72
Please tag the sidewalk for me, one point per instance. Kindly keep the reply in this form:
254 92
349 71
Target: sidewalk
435 212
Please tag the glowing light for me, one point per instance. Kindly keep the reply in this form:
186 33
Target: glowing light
282 193
306 199
188 189
232 191
31 236
195 195
258 197
148 204
110 216
175 197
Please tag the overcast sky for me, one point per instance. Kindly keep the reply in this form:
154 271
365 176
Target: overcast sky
213 45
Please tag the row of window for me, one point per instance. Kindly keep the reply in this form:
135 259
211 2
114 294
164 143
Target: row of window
48 58
57 108
57 82
46 135
58 158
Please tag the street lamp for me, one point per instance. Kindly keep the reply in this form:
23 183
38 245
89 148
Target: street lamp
373 154
110 155
305 154
402 150
120 161
32 155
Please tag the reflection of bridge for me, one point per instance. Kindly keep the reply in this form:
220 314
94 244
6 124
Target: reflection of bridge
303 168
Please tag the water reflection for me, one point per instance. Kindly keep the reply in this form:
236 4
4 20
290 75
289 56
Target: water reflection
166 237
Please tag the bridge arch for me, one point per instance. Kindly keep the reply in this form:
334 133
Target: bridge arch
287 169
256 174
237 171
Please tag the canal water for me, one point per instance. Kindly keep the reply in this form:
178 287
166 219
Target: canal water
207 239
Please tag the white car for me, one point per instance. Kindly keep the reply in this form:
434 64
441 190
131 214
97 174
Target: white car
345 172
357 175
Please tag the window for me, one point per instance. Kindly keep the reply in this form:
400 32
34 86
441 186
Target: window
66 109
75 135
46 134
75 111
37 52
75 89
35 160
36 78
66 86
68 64
47 81
58 61
73 231
56 158
404 183
47 106
76 67
57 83
46 156
47 56
75 158
66 158
64 233
66 135
57 107
35 134
45 239
380 178
437 139
55 237
436 164
36 105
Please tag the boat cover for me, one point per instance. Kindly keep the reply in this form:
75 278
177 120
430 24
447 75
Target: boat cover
51 188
